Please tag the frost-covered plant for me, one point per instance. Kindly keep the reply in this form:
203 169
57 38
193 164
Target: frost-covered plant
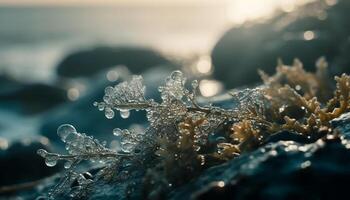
184 137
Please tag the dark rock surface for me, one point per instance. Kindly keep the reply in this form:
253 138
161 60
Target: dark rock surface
20 162
241 51
32 98
91 61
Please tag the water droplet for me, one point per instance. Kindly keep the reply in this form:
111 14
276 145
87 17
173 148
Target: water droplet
107 99
51 160
117 132
124 114
109 113
95 104
68 164
109 91
101 106
176 75
42 153
64 130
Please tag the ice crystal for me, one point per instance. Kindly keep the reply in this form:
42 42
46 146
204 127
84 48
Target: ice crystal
123 97
174 87
129 139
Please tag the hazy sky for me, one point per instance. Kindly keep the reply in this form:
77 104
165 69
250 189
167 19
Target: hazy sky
102 2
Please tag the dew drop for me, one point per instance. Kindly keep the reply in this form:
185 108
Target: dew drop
117 132
68 164
109 91
124 114
64 130
101 106
95 104
51 161
42 153
109 113
107 99
176 75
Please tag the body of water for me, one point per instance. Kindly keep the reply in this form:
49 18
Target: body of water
34 39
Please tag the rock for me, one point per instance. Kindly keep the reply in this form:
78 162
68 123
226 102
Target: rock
8 83
282 170
91 61
32 98
288 136
21 164
241 51
342 124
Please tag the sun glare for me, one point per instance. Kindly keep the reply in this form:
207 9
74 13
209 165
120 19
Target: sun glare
239 12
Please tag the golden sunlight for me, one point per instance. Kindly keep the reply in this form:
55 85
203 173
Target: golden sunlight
239 12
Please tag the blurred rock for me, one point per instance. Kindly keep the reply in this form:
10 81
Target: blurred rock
20 162
8 83
32 98
91 61
307 34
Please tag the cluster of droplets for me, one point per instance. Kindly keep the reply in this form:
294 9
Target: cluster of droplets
166 113
174 87
79 146
124 97
79 143
172 107
130 140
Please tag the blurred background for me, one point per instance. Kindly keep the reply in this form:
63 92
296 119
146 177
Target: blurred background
56 58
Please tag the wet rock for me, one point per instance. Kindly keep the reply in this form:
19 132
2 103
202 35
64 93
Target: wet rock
21 164
8 83
91 61
32 98
282 170
241 51
342 124
288 136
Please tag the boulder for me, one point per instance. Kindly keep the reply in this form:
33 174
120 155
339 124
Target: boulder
91 61
21 164
32 98
242 50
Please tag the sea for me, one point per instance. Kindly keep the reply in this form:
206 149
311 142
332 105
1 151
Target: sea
34 39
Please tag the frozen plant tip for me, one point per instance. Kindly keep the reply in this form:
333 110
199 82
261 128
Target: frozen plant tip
79 146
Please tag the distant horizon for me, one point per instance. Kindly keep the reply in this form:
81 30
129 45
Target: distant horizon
108 2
